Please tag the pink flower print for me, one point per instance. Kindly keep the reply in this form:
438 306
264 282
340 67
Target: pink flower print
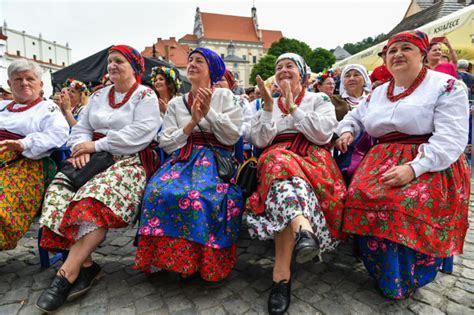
411 193
383 247
206 163
226 188
184 203
196 205
430 261
383 168
235 212
424 197
422 186
158 232
174 175
154 222
230 203
372 244
383 215
2 196
371 216
413 269
193 194
253 200
145 230
219 188
165 177
325 204
276 169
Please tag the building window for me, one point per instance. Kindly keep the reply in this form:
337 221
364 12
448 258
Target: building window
222 56
49 47
236 65
50 60
34 57
244 57
254 59
18 53
63 64
33 43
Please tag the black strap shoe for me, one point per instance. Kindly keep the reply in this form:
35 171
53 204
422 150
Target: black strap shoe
84 281
54 296
306 247
279 299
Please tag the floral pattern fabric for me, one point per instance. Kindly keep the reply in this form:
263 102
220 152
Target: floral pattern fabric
120 188
286 200
398 270
188 200
317 168
22 185
185 257
428 215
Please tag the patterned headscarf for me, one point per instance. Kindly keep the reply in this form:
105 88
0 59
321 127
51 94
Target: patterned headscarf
230 79
168 73
361 69
417 38
214 62
302 66
133 57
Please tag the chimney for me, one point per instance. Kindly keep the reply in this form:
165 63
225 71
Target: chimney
173 38
167 53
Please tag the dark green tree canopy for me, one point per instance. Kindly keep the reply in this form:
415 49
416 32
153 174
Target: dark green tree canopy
265 68
354 48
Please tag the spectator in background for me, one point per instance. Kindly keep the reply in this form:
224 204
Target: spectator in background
5 93
433 59
380 75
251 94
465 76
166 83
337 79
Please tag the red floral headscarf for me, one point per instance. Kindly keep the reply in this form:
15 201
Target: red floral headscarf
230 79
133 57
417 38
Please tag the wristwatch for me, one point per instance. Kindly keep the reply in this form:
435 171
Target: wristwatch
292 108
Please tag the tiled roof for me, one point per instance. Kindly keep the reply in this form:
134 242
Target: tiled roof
436 11
189 37
230 27
169 49
269 37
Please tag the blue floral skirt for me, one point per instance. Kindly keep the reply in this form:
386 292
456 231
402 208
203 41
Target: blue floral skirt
188 201
398 270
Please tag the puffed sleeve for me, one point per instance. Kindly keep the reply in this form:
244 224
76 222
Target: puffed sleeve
450 135
53 133
352 122
225 124
263 128
137 135
172 136
319 124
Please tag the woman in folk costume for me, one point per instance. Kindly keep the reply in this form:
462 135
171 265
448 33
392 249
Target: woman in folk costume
299 200
29 129
73 101
121 119
166 82
191 217
408 201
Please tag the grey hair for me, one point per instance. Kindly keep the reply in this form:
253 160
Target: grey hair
21 65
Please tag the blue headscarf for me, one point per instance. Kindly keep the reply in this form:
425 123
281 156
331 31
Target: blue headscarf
214 61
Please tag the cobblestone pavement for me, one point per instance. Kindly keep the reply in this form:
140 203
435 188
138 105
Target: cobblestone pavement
339 285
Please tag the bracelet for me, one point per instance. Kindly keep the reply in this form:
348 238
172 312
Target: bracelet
292 108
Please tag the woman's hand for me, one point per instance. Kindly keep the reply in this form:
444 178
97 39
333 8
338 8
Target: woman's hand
343 142
65 103
266 95
11 145
83 148
163 105
80 160
398 175
287 94
203 98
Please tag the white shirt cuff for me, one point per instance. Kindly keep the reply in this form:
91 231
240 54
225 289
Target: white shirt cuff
266 116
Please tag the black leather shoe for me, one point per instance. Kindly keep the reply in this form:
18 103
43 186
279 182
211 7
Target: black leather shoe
54 296
279 299
84 281
306 247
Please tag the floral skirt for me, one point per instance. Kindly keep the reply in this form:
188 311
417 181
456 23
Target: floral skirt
428 215
398 270
110 199
22 185
187 205
185 257
286 200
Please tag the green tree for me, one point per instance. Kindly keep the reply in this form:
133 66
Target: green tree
354 48
320 60
286 45
265 67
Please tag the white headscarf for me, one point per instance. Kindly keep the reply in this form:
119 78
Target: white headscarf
303 68
367 83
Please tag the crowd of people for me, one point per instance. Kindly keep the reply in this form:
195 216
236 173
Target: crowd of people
377 159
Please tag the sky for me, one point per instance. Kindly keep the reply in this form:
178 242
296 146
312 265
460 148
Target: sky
90 26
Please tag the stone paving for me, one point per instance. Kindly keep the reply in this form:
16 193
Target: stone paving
339 285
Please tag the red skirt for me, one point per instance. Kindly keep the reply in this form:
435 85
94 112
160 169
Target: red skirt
318 168
185 257
429 214
86 210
